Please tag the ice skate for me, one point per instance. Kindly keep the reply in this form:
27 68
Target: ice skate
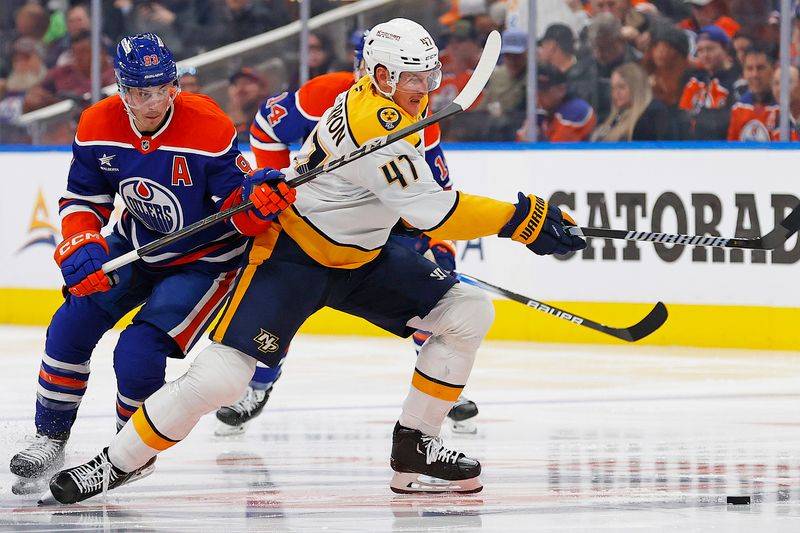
89 479
461 417
423 464
32 466
234 419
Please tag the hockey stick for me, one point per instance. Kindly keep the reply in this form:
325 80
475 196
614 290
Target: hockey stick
770 241
465 98
654 319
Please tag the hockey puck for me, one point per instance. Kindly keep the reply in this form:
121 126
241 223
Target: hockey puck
738 500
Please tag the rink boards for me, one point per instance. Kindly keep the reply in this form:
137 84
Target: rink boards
725 298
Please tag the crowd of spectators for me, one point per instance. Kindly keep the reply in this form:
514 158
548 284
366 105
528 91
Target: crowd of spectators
623 70
45 52
608 70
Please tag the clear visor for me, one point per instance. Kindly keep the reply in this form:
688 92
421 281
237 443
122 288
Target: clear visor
420 82
146 98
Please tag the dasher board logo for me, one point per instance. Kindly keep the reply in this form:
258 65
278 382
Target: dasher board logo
152 204
388 117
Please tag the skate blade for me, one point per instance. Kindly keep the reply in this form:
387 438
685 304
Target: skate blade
47 499
140 474
411 483
226 430
464 427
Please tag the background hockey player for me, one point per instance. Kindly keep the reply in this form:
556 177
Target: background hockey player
292 116
330 249
173 159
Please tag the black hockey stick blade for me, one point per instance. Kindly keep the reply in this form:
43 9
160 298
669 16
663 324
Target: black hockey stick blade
654 319
475 84
770 241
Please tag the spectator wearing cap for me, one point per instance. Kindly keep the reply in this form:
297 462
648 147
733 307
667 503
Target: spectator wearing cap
73 80
709 94
755 116
706 13
504 99
189 81
557 48
560 116
609 50
635 115
246 90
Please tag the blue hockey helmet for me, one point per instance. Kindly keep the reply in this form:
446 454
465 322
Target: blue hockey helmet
144 61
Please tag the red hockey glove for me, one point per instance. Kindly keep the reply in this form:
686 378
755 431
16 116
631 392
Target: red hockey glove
541 227
81 257
270 195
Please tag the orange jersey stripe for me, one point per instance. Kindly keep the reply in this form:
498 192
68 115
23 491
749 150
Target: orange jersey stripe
62 381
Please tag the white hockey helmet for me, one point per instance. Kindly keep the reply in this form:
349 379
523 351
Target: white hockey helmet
402 45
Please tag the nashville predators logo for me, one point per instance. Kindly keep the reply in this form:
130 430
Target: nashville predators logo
388 117
267 342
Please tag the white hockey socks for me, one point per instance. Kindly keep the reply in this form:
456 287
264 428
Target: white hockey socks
217 377
458 324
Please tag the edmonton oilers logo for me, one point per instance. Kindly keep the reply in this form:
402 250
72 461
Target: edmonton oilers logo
153 204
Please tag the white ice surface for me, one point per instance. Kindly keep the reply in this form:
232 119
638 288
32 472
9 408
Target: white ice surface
571 438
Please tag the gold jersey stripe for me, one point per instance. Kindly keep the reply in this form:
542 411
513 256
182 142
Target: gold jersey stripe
322 248
364 104
261 250
148 433
433 387
473 217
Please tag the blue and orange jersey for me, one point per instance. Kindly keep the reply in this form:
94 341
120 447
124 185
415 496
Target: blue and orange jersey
757 121
180 174
706 91
291 116
573 121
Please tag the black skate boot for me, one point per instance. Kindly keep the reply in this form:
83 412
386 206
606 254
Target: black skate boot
33 464
461 417
89 479
234 419
422 464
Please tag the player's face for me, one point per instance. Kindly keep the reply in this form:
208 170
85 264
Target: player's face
150 104
412 87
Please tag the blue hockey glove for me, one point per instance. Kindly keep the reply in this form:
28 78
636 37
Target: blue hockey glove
540 227
444 252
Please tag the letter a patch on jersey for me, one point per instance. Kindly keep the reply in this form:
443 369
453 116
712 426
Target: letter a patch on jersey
388 117
180 172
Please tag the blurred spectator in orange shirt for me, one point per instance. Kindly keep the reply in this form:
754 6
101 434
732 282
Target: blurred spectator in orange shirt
755 116
560 116
667 62
709 94
707 12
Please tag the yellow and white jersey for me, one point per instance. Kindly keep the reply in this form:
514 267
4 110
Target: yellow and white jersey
343 218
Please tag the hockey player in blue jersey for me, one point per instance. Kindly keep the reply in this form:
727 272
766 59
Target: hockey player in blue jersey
290 117
173 159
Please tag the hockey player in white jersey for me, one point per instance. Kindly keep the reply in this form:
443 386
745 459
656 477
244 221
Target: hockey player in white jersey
330 249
